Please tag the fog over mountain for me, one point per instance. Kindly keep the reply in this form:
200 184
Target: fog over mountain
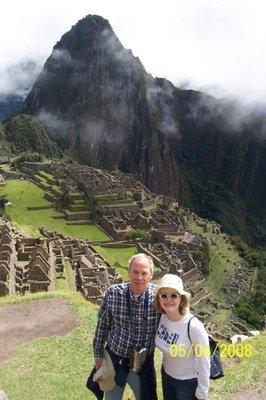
16 82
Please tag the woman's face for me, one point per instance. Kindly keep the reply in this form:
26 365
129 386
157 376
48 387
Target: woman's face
169 300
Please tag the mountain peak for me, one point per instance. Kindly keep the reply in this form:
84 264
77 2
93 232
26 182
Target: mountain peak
95 98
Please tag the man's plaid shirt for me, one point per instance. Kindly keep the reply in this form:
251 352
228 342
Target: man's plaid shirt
121 331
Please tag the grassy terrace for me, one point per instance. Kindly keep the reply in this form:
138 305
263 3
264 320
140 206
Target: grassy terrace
56 368
222 258
117 257
23 194
6 167
68 283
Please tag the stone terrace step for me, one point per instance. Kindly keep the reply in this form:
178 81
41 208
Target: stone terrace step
77 216
81 222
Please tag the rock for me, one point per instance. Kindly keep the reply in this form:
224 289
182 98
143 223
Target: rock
3 396
238 338
255 333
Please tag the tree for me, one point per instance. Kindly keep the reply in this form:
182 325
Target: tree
138 234
3 201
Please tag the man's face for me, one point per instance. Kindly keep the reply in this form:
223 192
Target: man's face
139 276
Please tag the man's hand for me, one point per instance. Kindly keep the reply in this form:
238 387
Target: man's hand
98 363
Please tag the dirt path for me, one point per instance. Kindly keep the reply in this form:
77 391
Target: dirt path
32 320
250 394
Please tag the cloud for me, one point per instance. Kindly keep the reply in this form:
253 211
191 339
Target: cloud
18 78
215 46
230 115
61 55
55 125
163 104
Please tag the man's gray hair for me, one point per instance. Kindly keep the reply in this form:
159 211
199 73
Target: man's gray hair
141 257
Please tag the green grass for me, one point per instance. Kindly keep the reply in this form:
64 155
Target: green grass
30 221
56 368
61 284
53 368
116 201
6 167
151 207
117 255
70 277
45 175
222 258
245 374
67 283
112 196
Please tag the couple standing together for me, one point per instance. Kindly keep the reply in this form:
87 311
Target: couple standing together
137 316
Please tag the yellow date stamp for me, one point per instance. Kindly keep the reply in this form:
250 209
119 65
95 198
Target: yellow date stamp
239 350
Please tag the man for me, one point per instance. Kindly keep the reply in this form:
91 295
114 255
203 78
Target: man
127 322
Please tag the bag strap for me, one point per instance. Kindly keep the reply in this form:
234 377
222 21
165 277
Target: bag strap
188 327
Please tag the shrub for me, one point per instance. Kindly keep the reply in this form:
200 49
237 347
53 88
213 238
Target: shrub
247 309
138 234
3 201
27 156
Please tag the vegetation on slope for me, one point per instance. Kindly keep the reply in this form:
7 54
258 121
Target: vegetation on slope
252 306
211 200
24 133
220 257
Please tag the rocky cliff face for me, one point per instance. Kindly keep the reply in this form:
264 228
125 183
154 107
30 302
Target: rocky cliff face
94 97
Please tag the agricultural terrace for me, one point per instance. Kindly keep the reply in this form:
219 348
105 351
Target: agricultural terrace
118 257
222 257
23 194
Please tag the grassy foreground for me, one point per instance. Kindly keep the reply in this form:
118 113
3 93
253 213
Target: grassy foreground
23 194
56 368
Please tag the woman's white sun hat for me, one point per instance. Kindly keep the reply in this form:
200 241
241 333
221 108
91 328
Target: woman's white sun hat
171 281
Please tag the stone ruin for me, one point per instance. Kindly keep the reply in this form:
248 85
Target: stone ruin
92 274
176 258
25 264
7 258
33 271
2 180
170 244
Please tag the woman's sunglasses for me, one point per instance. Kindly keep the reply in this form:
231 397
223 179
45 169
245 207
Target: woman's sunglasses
165 296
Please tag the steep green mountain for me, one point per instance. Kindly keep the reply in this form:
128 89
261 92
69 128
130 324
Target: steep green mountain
95 98
23 133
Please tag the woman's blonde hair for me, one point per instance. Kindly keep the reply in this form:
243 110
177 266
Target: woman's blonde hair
183 306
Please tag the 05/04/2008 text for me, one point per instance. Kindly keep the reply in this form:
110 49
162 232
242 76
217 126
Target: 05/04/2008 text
226 350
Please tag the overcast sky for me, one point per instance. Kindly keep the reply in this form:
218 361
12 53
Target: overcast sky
217 46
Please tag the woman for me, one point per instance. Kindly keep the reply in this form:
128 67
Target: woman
186 361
